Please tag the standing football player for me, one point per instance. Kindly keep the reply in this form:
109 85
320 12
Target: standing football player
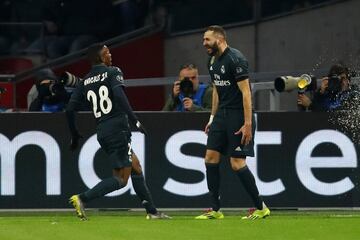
231 126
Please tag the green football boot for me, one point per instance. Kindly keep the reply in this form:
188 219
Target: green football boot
210 215
258 214
79 207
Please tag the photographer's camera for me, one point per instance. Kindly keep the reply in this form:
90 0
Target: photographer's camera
69 80
186 87
53 92
289 83
334 84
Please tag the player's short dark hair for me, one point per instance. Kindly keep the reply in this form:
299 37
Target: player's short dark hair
217 30
93 53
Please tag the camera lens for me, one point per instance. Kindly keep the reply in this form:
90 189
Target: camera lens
186 87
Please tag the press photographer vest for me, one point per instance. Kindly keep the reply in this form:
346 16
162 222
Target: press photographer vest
197 98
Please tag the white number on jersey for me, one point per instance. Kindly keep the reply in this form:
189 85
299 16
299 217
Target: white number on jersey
104 98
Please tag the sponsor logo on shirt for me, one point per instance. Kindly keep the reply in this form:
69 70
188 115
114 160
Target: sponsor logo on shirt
222 83
219 82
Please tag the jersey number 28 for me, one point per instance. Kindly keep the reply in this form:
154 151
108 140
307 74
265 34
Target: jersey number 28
105 102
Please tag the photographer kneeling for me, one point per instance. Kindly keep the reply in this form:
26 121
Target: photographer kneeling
188 93
334 93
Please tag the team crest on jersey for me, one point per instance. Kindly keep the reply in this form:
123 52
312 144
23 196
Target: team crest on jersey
222 69
120 79
118 69
239 70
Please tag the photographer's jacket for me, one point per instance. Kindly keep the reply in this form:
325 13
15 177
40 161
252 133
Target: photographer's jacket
331 102
202 100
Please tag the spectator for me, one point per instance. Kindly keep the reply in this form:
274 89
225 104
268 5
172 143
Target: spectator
335 90
24 12
71 28
188 93
3 109
5 16
159 15
132 14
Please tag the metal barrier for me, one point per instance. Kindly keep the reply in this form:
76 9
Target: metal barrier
263 81
256 86
260 82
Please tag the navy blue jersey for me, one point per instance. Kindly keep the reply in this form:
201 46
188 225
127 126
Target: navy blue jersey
225 71
102 87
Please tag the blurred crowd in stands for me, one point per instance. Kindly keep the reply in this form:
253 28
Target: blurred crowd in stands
274 7
55 28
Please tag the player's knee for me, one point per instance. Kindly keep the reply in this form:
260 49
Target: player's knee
122 177
125 181
122 180
212 157
237 164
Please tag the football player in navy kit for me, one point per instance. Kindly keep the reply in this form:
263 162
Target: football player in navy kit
103 87
231 126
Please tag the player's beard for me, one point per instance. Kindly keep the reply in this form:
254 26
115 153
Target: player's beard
108 62
214 49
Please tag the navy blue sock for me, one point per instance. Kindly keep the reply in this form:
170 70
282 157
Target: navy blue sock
102 188
213 183
248 181
142 191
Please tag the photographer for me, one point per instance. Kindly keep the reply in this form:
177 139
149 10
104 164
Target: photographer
2 108
335 90
188 93
50 93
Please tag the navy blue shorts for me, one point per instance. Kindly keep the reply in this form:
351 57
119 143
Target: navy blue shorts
114 137
118 148
221 137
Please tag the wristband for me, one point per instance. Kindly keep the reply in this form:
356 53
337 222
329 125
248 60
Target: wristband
211 119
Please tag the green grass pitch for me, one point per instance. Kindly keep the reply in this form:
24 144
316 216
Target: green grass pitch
120 225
